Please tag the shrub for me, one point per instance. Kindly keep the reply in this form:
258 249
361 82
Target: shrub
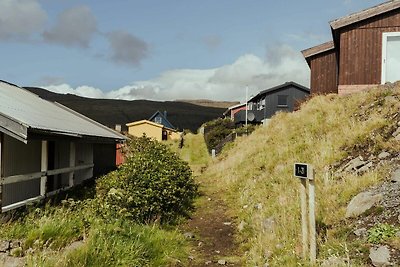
381 232
216 131
153 184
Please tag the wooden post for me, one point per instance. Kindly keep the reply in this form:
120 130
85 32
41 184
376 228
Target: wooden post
44 167
213 153
304 228
71 163
311 210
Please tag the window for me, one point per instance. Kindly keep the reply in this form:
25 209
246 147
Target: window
158 120
282 101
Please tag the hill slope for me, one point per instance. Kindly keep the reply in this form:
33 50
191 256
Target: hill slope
328 132
110 112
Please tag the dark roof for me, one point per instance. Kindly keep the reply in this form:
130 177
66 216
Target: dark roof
365 14
164 120
318 49
280 87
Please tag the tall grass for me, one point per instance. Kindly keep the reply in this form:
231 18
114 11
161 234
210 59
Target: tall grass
258 171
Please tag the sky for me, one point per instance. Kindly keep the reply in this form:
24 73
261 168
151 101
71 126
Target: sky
163 50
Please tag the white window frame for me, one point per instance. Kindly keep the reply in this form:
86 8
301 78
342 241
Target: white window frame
385 36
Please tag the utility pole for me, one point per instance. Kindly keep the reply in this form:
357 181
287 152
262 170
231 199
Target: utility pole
247 89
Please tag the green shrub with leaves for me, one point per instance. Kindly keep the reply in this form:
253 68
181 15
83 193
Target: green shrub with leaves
216 131
381 232
154 184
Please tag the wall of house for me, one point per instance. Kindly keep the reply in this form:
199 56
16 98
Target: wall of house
144 128
58 157
19 158
104 158
323 73
361 50
293 95
83 156
173 135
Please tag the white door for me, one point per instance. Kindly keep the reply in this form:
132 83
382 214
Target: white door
390 57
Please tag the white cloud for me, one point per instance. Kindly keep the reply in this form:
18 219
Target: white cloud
74 27
19 19
228 82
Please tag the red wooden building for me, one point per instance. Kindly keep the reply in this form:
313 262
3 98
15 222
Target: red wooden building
365 52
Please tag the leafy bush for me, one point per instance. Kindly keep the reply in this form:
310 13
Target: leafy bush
380 233
153 184
216 131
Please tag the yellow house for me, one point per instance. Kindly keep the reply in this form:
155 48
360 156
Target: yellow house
152 130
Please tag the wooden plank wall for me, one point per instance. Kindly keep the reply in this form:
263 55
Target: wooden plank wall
361 49
324 73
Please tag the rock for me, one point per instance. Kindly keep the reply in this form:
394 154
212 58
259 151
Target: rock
380 256
397 132
396 176
15 244
208 262
11 261
354 164
397 138
190 257
188 235
4 246
360 232
241 226
258 206
366 167
221 262
361 203
227 223
334 261
383 155
268 225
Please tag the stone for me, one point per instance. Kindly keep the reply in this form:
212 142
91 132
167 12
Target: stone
383 155
361 203
268 225
360 232
380 256
9 261
227 223
15 244
258 206
396 176
397 132
188 235
397 138
355 164
241 226
208 262
334 261
366 167
4 246
221 262
190 257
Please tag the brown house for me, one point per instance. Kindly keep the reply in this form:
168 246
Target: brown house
365 52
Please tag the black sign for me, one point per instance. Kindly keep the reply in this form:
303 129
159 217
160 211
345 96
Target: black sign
301 170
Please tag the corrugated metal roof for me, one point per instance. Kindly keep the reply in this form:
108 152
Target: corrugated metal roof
33 112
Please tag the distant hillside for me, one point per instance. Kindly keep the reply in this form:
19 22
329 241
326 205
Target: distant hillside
110 112
210 103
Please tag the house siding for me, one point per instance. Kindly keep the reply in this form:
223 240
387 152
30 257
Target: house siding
361 50
324 73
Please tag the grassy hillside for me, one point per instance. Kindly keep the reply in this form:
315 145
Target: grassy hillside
110 111
327 131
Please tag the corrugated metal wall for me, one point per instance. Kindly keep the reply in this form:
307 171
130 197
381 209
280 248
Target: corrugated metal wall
19 158
83 156
361 49
324 73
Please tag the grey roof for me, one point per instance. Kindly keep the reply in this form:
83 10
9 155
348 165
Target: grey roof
164 120
22 111
280 87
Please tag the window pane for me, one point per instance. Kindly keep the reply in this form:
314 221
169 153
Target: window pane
282 100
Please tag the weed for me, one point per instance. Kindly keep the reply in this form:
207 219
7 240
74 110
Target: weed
381 232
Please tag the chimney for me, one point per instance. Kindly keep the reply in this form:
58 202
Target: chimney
118 127
165 114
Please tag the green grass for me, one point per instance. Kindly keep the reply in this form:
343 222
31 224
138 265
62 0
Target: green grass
258 169
49 230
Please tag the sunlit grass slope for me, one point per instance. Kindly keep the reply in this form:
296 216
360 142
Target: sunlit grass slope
258 172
